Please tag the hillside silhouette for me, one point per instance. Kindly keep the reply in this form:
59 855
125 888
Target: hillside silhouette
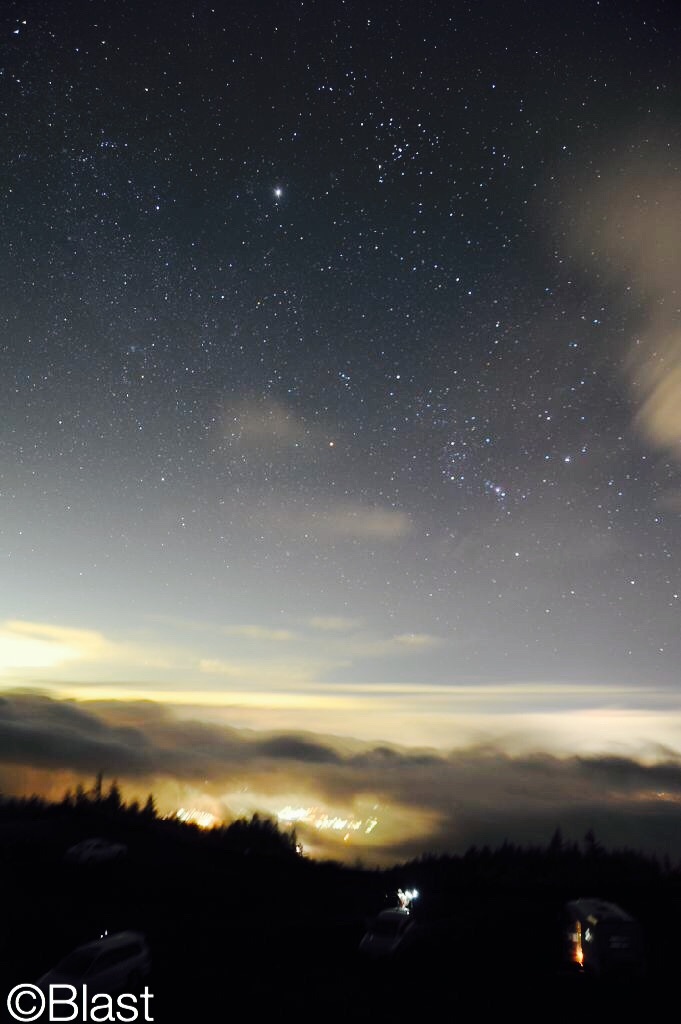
236 912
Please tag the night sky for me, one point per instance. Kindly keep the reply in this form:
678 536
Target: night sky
340 412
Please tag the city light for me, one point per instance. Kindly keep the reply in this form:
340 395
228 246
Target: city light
325 822
192 816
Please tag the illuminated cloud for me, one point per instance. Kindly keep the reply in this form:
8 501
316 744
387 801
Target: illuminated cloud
26 646
370 644
253 632
268 425
51 735
418 641
42 645
629 232
656 371
361 522
267 702
671 500
333 623
313 518
265 673
432 800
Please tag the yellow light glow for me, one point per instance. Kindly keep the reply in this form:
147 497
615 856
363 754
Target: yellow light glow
324 822
260 699
192 816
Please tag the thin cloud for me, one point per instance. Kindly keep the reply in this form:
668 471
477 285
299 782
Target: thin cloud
270 673
418 641
628 230
269 426
333 623
255 632
361 522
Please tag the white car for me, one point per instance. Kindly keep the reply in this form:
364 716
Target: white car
110 964
95 851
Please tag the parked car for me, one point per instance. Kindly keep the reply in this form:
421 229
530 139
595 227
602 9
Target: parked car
602 939
389 933
111 964
95 851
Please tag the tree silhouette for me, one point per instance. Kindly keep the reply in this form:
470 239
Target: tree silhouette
260 835
149 809
97 792
114 801
556 843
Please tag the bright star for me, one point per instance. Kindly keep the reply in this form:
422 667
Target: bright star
278 192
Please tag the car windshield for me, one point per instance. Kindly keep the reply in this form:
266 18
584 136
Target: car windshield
76 963
619 933
387 925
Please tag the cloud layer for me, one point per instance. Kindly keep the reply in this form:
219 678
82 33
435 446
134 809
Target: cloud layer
426 800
